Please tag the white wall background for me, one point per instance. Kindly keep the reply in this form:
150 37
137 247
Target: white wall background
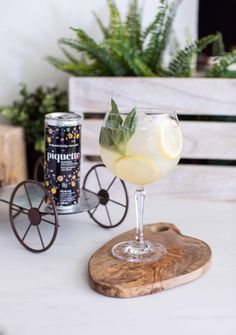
29 30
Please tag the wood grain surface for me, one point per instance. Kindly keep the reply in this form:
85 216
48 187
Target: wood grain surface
200 139
12 155
187 259
213 183
185 95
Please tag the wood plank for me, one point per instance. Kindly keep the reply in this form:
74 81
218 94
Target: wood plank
194 181
187 259
12 157
188 181
200 139
185 95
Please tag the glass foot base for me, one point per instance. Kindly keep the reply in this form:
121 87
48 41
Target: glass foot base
133 251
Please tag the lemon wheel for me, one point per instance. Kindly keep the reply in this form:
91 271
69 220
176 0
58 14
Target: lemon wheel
113 196
137 170
170 139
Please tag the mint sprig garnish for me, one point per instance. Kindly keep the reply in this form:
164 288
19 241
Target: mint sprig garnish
116 132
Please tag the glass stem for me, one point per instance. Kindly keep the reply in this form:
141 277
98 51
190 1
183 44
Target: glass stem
139 205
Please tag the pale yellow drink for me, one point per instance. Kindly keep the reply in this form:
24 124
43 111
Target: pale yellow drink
150 153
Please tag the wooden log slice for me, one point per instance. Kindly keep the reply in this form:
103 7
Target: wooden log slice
187 259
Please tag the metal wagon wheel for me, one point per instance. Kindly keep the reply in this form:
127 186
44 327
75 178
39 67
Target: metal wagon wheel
104 195
39 168
26 202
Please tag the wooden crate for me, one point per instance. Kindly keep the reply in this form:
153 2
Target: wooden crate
207 112
12 155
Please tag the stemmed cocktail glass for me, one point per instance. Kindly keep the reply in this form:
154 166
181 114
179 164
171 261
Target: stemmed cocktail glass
140 147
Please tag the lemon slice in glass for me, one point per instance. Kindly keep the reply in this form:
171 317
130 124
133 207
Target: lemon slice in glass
170 138
137 170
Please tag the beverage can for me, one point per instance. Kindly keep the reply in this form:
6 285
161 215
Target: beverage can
62 158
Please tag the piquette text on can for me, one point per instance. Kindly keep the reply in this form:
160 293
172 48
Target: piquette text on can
62 158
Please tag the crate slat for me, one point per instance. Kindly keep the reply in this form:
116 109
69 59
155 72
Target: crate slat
202 140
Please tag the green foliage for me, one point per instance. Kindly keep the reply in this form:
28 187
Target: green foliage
116 132
223 60
160 33
220 68
181 64
127 49
29 111
133 26
218 47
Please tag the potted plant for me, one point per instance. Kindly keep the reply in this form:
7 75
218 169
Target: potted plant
127 51
29 111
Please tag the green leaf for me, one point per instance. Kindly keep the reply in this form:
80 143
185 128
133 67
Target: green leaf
114 120
96 52
131 120
133 25
116 133
104 29
69 56
75 68
23 90
141 69
151 27
130 124
181 64
153 50
220 69
116 27
132 59
39 145
174 45
114 107
160 34
55 61
218 48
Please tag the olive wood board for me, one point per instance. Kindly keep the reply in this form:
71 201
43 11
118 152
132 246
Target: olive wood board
187 259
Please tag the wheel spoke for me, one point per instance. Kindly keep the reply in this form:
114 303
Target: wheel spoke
27 193
20 208
111 184
94 210
48 221
41 202
98 180
40 236
26 231
118 203
108 214
19 212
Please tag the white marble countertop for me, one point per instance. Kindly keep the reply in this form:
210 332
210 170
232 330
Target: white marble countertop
49 293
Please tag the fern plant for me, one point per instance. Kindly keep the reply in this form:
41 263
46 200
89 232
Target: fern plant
221 67
223 60
127 49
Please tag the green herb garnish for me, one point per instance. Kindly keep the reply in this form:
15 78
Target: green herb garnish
117 132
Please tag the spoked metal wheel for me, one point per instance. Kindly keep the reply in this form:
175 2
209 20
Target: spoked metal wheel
113 197
34 228
39 169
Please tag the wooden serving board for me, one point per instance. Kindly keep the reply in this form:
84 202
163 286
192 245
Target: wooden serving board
187 259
